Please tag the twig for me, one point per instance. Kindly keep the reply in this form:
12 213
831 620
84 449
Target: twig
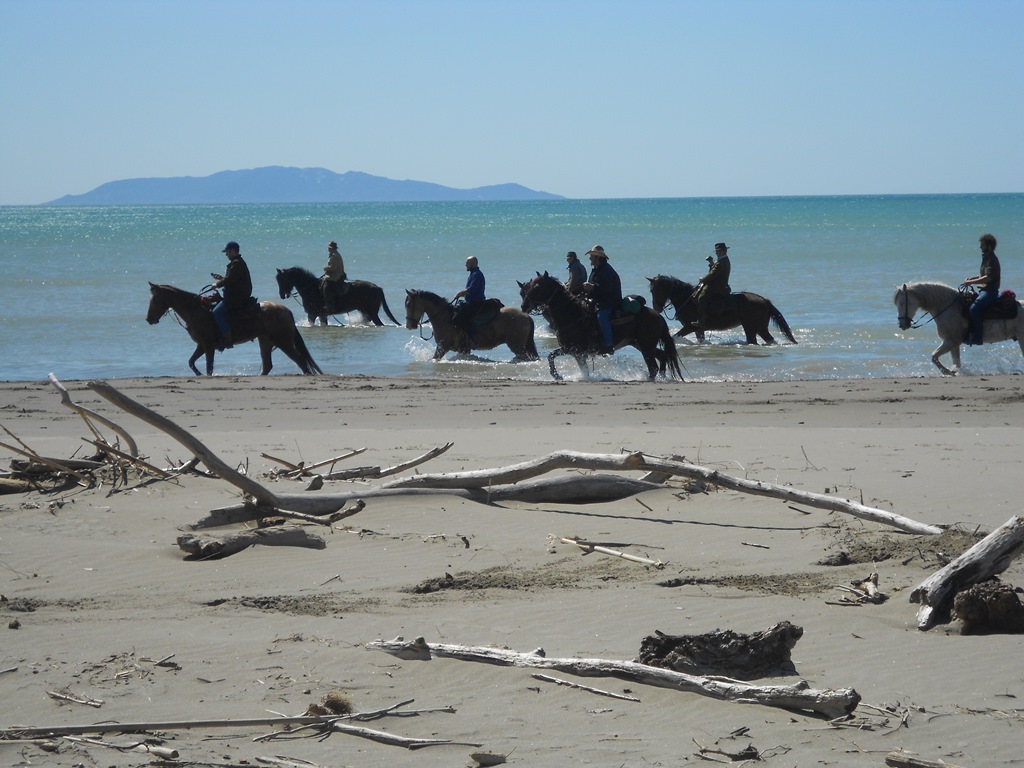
570 684
589 547
300 470
65 399
74 699
51 463
104 446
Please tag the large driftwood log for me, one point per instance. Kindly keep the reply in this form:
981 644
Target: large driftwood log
207 547
566 489
989 557
86 414
800 696
639 461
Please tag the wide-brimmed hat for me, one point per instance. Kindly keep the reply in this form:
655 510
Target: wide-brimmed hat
232 246
721 247
332 245
597 250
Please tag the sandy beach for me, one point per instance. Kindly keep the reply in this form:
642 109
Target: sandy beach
96 590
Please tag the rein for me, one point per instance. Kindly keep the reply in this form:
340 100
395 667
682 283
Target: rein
931 315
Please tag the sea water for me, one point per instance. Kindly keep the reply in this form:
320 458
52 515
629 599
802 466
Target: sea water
75 280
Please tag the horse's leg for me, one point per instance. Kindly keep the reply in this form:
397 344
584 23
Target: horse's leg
943 348
765 335
551 363
195 356
266 347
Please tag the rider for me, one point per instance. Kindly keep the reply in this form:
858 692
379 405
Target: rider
714 286
987 281
237 290
472 297
605 288
332 284
577 274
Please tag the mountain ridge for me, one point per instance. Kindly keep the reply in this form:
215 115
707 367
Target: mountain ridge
281 184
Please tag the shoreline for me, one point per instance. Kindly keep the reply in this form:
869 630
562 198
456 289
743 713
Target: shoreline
276 628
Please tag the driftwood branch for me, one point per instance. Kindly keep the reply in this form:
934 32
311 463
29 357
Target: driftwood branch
800 696
587 688
589 547
900 759
85 413
208 546
989 557
42 732
660 468
211 460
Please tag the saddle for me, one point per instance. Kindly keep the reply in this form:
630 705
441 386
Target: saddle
1004 308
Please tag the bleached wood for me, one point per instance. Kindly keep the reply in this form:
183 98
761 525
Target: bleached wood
229 544
989 557
85 413
799 696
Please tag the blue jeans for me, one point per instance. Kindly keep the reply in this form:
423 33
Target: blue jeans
220 315
604 322
986 298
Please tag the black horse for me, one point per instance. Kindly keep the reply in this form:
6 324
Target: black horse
361 296
575 326
750 310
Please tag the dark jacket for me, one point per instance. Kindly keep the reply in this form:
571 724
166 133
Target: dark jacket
716 281
236 285
990 270
607 293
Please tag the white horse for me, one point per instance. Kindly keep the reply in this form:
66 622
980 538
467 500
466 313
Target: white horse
944 304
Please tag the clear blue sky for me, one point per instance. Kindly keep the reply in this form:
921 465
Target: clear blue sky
583 98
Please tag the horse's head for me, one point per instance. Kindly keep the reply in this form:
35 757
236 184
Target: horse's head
158 303
906 306
538 292
284 283
413 309
659 293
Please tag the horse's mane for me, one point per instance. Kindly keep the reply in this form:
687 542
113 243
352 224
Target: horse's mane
429 295
672 283
175 289
579 301
302 271
930 291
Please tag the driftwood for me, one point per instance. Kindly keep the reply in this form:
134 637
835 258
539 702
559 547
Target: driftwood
989 557
991 606
724 652
588 547
800 696
207 546
661 468
90 416
900 759
566 489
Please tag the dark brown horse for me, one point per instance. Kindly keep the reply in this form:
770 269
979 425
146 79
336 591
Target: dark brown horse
361 296
273 325
575 326
750 310
508 326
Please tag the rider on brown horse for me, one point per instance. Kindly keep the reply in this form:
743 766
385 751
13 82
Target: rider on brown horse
237 290
333 284
714 286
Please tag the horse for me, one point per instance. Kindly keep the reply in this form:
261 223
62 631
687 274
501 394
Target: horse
273 325
946 305
750 310
508 326
575 326
361 296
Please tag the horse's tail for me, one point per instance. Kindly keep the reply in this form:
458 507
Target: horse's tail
387 309
668 345
780 321
305 360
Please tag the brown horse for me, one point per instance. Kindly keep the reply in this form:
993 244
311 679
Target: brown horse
750 310
508 326
273 325
575 326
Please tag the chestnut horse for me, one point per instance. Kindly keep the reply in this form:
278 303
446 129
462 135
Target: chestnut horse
273 325
508 326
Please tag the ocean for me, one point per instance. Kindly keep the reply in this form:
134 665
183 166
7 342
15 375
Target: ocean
74 292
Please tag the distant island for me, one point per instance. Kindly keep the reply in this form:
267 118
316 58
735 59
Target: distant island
277 184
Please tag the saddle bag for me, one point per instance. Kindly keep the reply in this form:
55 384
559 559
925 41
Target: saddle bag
1005 307
631 305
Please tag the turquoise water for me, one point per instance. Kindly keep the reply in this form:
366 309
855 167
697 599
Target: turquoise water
75 289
